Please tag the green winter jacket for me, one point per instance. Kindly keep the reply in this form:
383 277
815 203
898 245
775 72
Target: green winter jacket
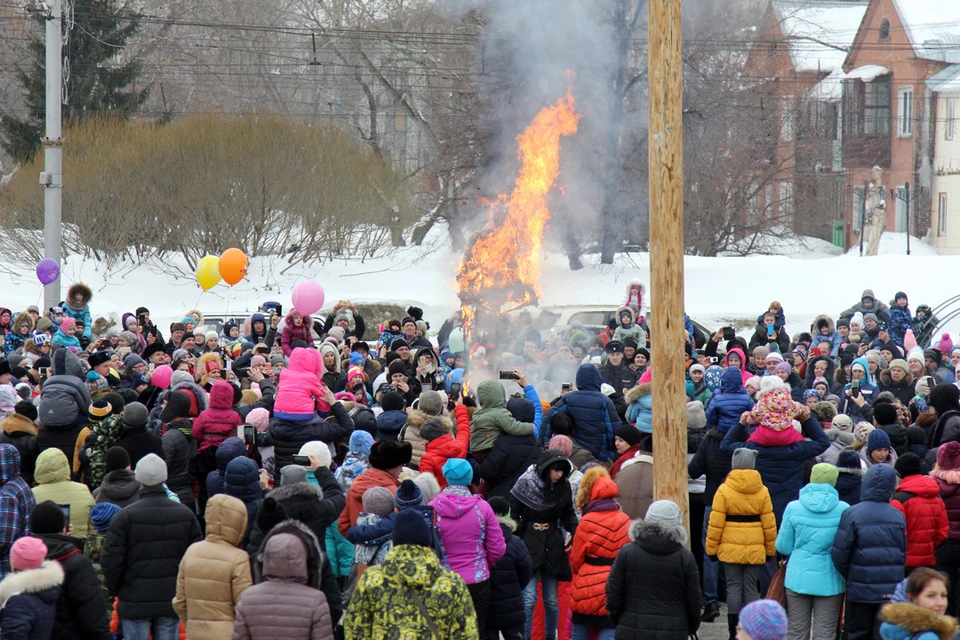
53 477
492 418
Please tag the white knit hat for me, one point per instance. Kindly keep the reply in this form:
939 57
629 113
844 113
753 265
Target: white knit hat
770 383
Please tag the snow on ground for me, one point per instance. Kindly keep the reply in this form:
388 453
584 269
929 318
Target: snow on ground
717 290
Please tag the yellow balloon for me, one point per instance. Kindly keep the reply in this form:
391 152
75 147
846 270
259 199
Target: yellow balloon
208 272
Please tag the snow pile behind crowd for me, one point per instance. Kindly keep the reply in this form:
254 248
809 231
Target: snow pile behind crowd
807 280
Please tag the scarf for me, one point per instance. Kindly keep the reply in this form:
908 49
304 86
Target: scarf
530 489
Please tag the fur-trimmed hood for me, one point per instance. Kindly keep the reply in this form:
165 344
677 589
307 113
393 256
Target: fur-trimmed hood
300 489
16 423
49 575
914 620
509 523
823 319
635 393
622 310
79 290
416 418
886 380
657 537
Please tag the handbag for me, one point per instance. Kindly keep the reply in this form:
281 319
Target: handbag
777 591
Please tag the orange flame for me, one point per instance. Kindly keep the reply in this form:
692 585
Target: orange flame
501 271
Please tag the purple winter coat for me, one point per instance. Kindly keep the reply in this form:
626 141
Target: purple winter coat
471 535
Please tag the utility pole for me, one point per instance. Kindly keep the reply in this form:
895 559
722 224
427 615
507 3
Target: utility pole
52 176
665 148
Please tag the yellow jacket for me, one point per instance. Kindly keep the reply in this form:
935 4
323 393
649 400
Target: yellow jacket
742 527
53 483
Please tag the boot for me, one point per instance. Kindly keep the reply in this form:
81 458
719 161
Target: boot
710 612
733 619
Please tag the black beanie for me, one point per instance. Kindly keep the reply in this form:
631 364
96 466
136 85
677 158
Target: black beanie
47 517
395 367
178 406
27 409
392 401
117 403
271 514
521 409
629 434
500 506
116 458
884 413
411 528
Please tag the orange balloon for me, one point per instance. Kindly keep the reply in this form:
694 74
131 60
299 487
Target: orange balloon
233 266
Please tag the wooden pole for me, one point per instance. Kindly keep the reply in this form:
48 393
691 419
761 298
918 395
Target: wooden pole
666 254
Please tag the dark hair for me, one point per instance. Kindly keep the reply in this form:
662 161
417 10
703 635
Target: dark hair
562 425
921 577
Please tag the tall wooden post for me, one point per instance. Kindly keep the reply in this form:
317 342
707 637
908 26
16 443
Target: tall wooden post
666 253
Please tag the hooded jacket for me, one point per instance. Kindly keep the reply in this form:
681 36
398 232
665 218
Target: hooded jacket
470 533
300 391
602 532
493 419
267 337
283 605
870 548
53 483
832 335
904 391
727 406
220 421
593 413
509 458
653 592
385 603
291 333
907 621
82 605
918 499
119 487
806 534
441 449
881 310
21 432
241 480
354 499
16 503
214 573
229 449
178 449
639 401
80 312
30 601
742 527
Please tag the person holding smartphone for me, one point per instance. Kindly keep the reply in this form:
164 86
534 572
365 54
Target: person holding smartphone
857 398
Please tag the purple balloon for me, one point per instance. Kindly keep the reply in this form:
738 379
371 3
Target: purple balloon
48 271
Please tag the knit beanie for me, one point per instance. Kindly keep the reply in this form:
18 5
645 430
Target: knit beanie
628 433
151 469
774 356
378 500
760 352
177 406
770 383
47 517
66 323
411 528
884 413
270 514
764 620
27 553
696 415
409 494
916 435
360 442
178 377
563 444
744 458
824 473
320 450
878 439
392 401
665 512
948 455
842 421
259 418
849 459
27 409
135 414
116 458
908 464
293 474
432 429
458 472
862 431
101 514
431 403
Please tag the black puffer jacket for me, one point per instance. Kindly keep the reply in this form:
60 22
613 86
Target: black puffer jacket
81 607
142 552
540 527
507 579
317 506
119 487
178 448
288 435
653 592
510 456
710 461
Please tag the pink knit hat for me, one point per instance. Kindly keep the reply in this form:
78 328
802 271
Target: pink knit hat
563 444
27 553
66 323
945 345
260 418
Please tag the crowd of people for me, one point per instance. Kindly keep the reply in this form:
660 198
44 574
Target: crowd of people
293 477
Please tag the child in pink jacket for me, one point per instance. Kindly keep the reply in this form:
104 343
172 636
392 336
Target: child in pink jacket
220 421
300 392
775 412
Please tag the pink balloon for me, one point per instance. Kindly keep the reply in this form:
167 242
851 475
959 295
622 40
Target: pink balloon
308 297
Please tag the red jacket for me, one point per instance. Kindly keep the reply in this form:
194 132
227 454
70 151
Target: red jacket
918 498
369 478
603 529
220 421
445 447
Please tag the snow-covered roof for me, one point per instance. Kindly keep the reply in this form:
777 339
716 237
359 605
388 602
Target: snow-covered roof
818 33
868 72
933 27
830 89
946 80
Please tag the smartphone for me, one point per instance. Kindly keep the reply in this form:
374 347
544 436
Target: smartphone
66 514
44 371
303 461
566 386
249 434
729 333
228 365
508 375
770 330
151 367
455 389
280 310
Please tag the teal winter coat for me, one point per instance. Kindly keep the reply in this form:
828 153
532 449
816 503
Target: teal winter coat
806 535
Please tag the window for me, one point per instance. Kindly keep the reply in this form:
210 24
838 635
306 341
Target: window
786 120
876 107
950 122
768 205
857 209
885 30
900 217
786 202
942 214
905 116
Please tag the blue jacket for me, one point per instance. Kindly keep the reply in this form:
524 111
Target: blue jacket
806 535
727 406
640 411
593 413
80 315
241 479
30 602
870 549
507 579
900 321
389 424
228 450
781 468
